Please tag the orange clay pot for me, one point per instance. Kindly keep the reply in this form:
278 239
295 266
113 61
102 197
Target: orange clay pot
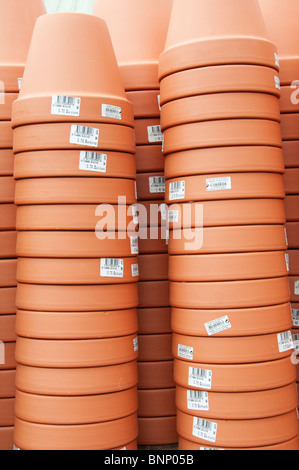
76 353
150 213
247 238
241 322
6 438
72 190
290 150
60 271
145 103
292 229
61 74
223 186
76 382
155 375
289 126
7 415
150 186
289 99
149 159
8 244
148 131
206 80
100 436
153 321
7 100
6 162
76 298
292 208
154 403
76 325
7 189
7 384
224 160
285 446
7 301
154 348
222 133
161 297
233 36
230 294
139 43
103 137
250 405
6 135
220 106
226 267
294 288
7 328
8 269
76 410
157 431
74 163
293 262
10 360
242 433
74 217
8 217
235 378
291 181
153 267
152 246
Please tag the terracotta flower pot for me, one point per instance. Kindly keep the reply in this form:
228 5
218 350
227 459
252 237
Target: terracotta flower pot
161 297
150 186
10 360
153 267
8 269
156 403
155 375
8 216
224 160
290 153
8 244
146 219
61 94
6 162
7 415
7 301
149 159
139 43
7 100
293 262
145 103
7 387
7 438
288 100
289 126
7 328
154 321
7 189
17 25
152 246
292 208
154 348
233 36
148 131
294 288
291 445
291 181
6 139
157 431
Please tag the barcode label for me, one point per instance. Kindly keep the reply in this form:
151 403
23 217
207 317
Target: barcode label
277 82
157 184
287 262
205 430
285 341
66 106
296 287
219 184
112 267
276 59
295 315
154 134
134 245
135 344
200 378
82 135
185 352
209 448
163 210
177 190
173 217
296 342
135 270
216 326
110 111
92 161
197 400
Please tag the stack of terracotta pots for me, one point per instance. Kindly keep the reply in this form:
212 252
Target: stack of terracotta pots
77 273
17 22
229 291
138 45
281 22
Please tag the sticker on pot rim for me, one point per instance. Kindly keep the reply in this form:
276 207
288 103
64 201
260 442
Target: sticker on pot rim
177 190
209 448
156 184
159 102
296 342
219 184
66 106
285 341
163 210
206 430
276 57
295 316
20 80
296 287
286 234
135 344
83 135
185 352
135 270
287 262
200 378
110 111
173 217
197 400
135 215
277 82
134 245
93 161
217 326
112 267
154 134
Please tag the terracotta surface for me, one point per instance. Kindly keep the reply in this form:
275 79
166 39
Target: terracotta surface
142 132
72 190
68 163
292 208
161 297
6 139
224 160
139 43
8 244
76 382
149 158
155 347
205 80
6 438
157 431
76 325
290 153
231 294
293 283
7 383
8 216
291 179
150 186
77 298
8 269
155 403
292 229
7 189
7 414
289 126
285 446
150 213
289 99
7 300
10 360
145 103
155 375
7 100
294 262
242 322
153 267
7 328
154 320
6 162
101 436
152 245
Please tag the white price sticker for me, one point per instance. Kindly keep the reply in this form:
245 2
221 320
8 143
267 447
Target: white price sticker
110 111
277 63
154 134
197 400
93 161
295 315
156 184
287 262
185 352
135 270
217 326
296 342
296 287
285 341
277 82
173 217
177 190
205 430
135 215
20 83
83 135
134 245
112 267
200 378
66 106
219 184
135 344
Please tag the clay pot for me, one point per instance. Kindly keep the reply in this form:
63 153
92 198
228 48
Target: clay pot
152 246
148 131
8 216
155 375
292 208
7 387
8 269
292 230
291 181
139 43
7 438
156 403
149 159
145 103
7 415
151 213
293 256
154 348
101 99
10 360
8 244
7 100
7 301
150 186
289 126
154 321
17 25
294 288
6 139
233 36
157 431
6 162
161 297
7 328
290 153
285 446
153 267
7 189
288 100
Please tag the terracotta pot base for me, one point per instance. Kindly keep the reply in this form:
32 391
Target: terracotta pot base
154 321
7 412
152 245
6 438
7 189
291 181
156 403
292 229
157 431
285 446
8 269
292 208
7 100
6 162
161 297
293 262
8 244
8 216
287 102
149 158
154 348
155 375
10 74
8 301
289 126
7 384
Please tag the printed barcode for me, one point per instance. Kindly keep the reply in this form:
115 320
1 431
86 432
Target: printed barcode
185 352
177 190
93 157
202 423
295 315
157 184
112 263
83 135
200 378
69 100
66 105
112 267
155 134
200 373
85 130
205 430
110 111
285 341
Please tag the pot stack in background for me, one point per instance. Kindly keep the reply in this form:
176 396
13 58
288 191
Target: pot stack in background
231 315
138 45
17 22
281 22
77 293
